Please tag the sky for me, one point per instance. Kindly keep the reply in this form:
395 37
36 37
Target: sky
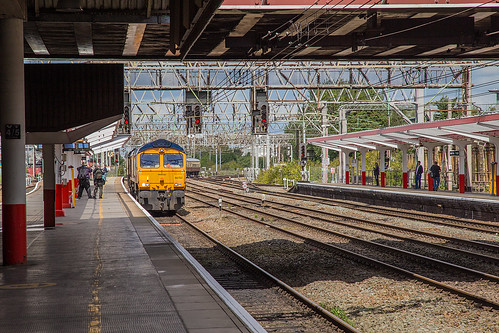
485 79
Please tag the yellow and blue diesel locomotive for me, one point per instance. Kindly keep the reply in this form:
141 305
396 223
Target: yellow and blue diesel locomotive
156 175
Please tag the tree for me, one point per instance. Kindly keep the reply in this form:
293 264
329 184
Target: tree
457 109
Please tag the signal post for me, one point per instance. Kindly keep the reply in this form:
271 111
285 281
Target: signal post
303 161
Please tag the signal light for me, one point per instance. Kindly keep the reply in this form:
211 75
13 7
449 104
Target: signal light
263 117
126 119
303 151
197 119
259 124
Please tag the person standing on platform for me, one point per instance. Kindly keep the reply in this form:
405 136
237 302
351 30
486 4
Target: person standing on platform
435 174
98 181
376 173
105 170
419 173
84 179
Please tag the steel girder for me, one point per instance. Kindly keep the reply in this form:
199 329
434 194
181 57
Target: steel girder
295 91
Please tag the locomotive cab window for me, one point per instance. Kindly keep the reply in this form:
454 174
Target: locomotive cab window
149 161
175 161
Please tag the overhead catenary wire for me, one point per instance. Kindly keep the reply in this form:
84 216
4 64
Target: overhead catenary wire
429 23
290 45
402 30
296 17
311 41
271 61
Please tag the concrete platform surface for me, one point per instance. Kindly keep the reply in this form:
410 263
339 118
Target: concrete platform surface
107 268
467 205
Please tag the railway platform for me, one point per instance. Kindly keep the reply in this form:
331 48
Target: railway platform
464 205
108 267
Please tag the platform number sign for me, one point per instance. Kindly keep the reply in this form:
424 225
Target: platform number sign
12 131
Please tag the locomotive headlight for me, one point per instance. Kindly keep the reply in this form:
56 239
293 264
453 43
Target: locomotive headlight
147 184
143 184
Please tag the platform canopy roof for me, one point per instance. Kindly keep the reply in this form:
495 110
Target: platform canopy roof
106 139
460 131
257 29
351 30
110 29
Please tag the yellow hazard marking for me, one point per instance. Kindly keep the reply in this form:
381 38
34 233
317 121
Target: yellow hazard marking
94 308
27 285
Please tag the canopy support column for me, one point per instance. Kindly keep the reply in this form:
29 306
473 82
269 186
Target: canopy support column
382 166
496 144
363 157
495 141
48 186
13 134
346 160
462 165
404 165
430 147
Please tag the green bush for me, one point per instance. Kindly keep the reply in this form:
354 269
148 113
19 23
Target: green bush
275 174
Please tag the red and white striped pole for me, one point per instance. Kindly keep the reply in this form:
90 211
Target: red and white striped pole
382 167
404 165
363 154
13 128
48 186
58 180
497 168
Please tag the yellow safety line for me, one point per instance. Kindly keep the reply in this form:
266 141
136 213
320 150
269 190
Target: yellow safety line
94 307
73 192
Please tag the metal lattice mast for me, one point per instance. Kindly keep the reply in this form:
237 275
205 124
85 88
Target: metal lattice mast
294 89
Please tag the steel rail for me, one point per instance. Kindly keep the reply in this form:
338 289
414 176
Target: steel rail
490 247
391 212
416 256
290 290
493 260
428 216
363 258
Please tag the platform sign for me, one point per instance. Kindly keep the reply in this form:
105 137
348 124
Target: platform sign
454 153
12 131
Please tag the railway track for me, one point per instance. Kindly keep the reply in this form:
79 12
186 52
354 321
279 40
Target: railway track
480 226
490 252
403 262
254 288
336 279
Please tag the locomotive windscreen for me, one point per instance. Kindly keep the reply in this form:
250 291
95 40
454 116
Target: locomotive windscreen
149 161
173 160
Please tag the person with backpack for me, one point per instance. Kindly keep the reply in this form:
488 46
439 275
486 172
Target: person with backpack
84 179
98 181
435 174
